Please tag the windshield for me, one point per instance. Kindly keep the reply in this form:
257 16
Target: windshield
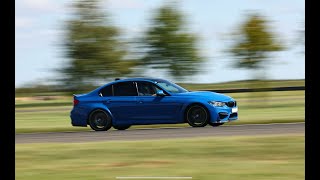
170 87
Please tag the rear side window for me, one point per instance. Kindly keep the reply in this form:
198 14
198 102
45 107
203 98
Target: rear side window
106 91
125 89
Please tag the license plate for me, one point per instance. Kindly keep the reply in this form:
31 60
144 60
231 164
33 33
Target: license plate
234 110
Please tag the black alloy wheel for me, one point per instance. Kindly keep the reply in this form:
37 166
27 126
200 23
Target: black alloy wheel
100 121
121 127
216 124
197 116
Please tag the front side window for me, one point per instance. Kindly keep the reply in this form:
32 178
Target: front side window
147 89
170 87
124 89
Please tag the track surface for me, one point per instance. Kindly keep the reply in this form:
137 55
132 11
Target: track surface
161 133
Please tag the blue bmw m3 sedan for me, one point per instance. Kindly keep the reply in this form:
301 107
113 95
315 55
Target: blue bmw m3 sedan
142 101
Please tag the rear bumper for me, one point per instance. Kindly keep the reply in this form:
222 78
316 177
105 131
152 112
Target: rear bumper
78 119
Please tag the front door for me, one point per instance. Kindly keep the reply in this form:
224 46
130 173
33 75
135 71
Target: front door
155 109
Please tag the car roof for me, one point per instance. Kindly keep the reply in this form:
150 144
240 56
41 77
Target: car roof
127 79
140 79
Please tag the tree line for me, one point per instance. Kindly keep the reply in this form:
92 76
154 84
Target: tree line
96 52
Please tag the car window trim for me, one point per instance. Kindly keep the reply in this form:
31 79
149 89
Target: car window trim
136 85
112 89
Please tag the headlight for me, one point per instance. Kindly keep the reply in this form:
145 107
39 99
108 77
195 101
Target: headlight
217 103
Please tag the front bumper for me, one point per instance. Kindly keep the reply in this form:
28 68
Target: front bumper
223 114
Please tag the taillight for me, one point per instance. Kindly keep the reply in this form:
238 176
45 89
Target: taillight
75 102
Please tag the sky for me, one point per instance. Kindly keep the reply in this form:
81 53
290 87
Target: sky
39 32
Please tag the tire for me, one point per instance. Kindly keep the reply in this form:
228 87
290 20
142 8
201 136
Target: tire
121 127
99 120
197 116
216 124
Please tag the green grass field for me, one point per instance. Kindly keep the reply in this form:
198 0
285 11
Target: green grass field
282 106
277 157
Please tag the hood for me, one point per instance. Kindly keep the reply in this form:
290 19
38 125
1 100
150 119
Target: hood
207 95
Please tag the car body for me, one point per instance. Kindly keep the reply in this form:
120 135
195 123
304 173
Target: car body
142 101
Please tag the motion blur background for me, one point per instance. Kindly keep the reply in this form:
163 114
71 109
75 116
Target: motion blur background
47 30
65 47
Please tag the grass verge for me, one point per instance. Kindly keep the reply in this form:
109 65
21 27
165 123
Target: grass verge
243 158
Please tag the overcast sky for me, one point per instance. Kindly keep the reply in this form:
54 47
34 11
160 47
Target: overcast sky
38 30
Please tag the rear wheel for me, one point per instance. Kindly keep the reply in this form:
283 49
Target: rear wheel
121 127
216 124
197 116
100 121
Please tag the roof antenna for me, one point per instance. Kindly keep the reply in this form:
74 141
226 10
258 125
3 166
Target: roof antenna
116 79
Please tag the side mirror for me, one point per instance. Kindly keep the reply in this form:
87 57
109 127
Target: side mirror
160 93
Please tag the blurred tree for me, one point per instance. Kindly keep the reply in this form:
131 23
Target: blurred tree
93 47
302 38
252 45
169 45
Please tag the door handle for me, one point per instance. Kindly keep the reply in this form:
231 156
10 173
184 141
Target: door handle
140 101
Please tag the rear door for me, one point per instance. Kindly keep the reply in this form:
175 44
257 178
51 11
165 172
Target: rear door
123 103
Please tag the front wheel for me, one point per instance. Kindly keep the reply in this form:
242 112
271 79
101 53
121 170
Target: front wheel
197 116
100 121
216 124
121 127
